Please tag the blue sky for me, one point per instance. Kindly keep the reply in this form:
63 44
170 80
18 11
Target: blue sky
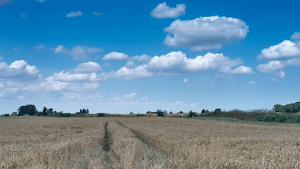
134 56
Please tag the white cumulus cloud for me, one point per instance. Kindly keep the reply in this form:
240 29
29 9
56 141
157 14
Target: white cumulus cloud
285 49
18 70
185 80
143 58
134 73
162 10
88 67
60 49
238 70
115 56
295 36
68 76
205 32
276 66
78 52
178 63
130 64
271 66
73 14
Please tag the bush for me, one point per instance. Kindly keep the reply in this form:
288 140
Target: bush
101 115
140 115
192 114
5 115
270 118
149 112
281 118
63 115
278 118
160 113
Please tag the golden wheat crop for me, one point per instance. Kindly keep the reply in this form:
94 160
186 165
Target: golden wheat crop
195 143
45 142
145 142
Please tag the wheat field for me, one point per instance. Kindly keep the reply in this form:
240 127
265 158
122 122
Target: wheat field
145 142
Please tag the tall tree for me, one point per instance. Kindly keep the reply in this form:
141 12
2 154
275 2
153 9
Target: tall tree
28 109
45 111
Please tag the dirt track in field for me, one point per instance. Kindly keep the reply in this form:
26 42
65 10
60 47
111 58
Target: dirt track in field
107 140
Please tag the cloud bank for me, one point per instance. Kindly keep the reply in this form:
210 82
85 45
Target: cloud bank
205 32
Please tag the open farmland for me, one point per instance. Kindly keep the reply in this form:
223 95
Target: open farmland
145 142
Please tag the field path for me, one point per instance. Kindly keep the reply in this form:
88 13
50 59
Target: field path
107 142
133 150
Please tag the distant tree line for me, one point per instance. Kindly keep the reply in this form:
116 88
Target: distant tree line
289 108
30 110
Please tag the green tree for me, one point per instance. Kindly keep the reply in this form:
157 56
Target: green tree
278 108
192 114
28 109
14 114
50 111
45 111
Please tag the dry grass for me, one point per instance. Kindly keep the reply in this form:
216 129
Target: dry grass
41 142
213 144
145 142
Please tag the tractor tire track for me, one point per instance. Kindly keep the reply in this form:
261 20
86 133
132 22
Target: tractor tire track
107 142
149 155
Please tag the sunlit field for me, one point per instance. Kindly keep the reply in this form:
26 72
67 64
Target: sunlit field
146 142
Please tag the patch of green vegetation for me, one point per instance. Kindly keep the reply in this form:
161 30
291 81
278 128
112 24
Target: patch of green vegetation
281 118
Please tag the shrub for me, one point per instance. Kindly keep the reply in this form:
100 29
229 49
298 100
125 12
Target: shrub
140 115
101 115
297 119
149 112
192 114
5 115
281 118
269 118
63 115
260 118
160 113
